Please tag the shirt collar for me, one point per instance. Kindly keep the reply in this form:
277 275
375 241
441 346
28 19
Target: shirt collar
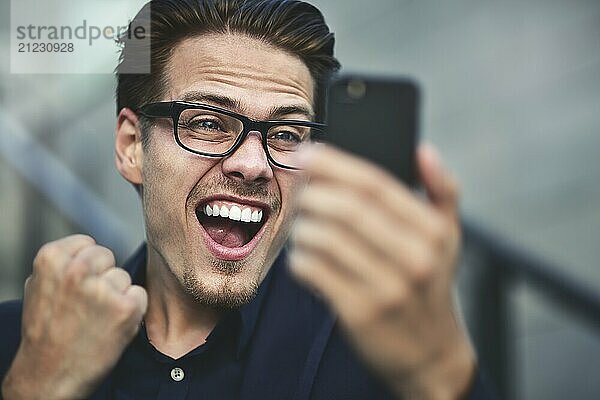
248 313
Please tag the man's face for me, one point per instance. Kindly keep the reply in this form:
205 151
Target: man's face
217 260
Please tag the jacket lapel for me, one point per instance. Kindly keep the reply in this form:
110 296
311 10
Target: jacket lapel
290 338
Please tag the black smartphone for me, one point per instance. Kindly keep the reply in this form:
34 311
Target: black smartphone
376 118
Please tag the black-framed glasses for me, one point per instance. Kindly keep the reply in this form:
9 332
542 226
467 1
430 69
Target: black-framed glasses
215 132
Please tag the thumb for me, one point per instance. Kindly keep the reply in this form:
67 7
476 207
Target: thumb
441 187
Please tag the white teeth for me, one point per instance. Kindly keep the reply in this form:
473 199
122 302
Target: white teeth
224 212
235 213
246 215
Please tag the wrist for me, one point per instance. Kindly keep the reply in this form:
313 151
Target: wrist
15 387
27 379
447 377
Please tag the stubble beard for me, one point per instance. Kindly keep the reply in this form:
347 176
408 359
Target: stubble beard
228 293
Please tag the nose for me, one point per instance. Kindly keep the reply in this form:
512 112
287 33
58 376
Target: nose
249 162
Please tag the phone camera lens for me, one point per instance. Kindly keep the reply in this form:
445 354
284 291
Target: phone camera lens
356 89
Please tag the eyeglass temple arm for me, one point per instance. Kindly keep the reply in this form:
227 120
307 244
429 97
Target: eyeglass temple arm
156 109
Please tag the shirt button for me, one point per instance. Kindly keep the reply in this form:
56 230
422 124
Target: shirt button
177 374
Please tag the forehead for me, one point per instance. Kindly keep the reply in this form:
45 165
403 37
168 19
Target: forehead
256 75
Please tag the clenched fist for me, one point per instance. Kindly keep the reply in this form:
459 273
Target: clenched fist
79 314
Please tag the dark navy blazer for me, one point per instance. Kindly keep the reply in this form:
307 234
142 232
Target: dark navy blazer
294 350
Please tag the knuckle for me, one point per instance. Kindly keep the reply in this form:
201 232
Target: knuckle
309 233
317 234
422 271
334 202
125 275
330 241
380 180
391 300
125 310
101 251
388 192
121 276
75 273
45 257
440 233
300 270
31 332
109 255
301 230
97 258
363 318
129 308
83 238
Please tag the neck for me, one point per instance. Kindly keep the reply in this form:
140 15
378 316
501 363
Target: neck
175 322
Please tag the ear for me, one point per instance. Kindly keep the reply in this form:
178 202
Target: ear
128 147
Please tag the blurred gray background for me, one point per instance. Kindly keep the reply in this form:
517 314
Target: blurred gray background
511 99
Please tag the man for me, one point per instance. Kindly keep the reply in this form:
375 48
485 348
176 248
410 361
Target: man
207 309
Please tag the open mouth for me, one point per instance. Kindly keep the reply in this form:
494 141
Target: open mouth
231 229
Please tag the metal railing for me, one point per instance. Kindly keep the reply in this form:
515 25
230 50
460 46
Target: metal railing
502 265
60 186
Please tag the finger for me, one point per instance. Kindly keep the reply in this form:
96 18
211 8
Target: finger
73 244
388 236
441 187
334 166
342 250
118 278
55 256
94 259
140 296
337 289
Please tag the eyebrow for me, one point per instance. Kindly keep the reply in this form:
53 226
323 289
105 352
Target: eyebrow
282 111
229 103
215 99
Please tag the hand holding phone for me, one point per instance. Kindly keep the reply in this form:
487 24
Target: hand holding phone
381 257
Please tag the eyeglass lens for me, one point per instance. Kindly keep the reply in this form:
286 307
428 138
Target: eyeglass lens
213 133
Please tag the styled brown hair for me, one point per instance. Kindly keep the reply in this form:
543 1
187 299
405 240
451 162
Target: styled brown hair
291 25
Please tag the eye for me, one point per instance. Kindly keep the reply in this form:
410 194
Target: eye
204 124
286 136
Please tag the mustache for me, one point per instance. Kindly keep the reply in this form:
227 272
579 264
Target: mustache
222 185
